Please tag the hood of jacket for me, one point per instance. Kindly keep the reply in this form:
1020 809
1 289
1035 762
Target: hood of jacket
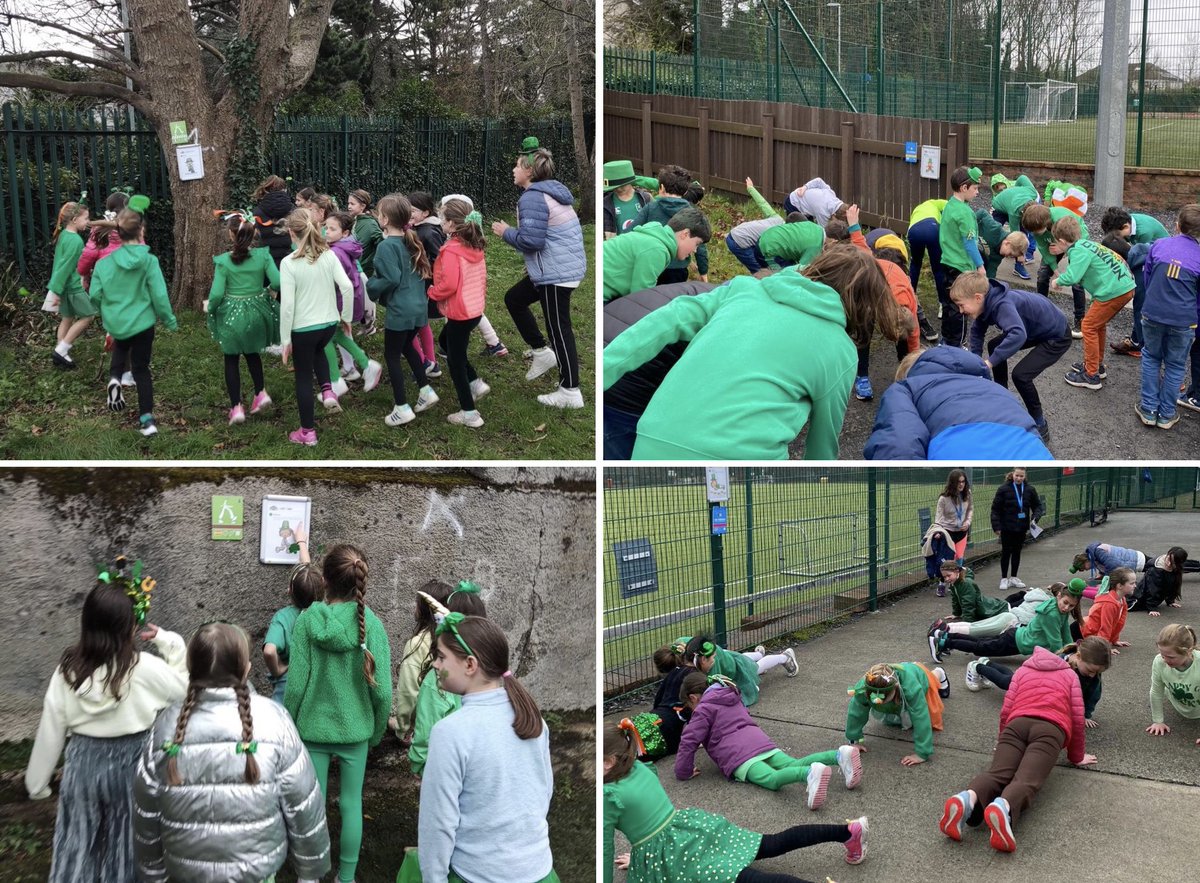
350 246
948 360
334 627
459 249
556 190
793 289
1044 660
131 257
275 205
727 696
658 232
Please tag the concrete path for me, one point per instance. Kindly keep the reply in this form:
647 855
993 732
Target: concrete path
1128 818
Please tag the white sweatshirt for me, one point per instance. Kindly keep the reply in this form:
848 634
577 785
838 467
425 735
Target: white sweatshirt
91 710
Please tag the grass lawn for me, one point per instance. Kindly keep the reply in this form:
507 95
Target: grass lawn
1167 142
55 414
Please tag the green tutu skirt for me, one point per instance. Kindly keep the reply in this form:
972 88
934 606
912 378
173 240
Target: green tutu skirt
694 845
76 305
245 323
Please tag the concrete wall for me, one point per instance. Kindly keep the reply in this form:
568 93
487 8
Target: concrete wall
527 536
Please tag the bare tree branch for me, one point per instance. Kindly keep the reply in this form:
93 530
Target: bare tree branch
211 50
119 67
94 39
91 89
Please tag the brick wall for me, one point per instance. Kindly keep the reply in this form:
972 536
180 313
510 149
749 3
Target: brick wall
1153 190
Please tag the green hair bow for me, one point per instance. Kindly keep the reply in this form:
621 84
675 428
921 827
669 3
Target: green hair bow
139 203
449 624
473 217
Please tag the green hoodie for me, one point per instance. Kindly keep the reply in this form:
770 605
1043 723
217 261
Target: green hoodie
740 669
633 262
971 605
662 209
129 290
1101 271
711 406
433 704
327 692
1050 629
991 232
1011 200
1057 213
799 242
914 684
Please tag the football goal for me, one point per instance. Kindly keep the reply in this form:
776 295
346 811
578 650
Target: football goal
1049 101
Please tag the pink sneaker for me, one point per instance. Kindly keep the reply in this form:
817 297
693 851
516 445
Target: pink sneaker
261 401
856 846
237 414
330 400
304 436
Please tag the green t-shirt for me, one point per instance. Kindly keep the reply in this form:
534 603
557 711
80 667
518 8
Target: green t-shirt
627 210
279 632
958 226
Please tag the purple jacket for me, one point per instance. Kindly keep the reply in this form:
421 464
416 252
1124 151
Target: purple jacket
1172 275
348 251
723 726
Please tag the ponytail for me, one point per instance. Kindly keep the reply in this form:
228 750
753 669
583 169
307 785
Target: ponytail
311 244
416 251
243 238
489 646
345 572
620 743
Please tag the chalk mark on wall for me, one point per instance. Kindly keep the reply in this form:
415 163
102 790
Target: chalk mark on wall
439 510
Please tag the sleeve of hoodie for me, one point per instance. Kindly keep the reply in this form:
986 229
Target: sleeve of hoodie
158 294
287 300
388 272
681 319
272 271
825 418
857 716
695 734
66 262
768 210
216 291
381 694
1012 330
918 712
447 275
899 432
533 222
1079 261
438 815
1076 744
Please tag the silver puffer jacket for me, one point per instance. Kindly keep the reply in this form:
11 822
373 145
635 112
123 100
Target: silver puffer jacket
216 828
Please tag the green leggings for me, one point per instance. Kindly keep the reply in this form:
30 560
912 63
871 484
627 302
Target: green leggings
353 761
346 342
779 769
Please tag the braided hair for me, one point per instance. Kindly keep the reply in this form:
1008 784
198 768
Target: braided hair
345 571
218 656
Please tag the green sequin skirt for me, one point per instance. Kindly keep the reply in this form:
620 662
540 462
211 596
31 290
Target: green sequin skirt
694 847
245 323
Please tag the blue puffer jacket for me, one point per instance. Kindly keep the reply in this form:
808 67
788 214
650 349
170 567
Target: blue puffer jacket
548 234
949 408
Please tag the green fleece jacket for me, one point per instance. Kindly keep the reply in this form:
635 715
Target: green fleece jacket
64 278
396 287
129 290
742 670
710 406
634 260
1014 198
662 210
1101 271
992 233
971 605
957 228
1050 629
1057 213
799 242
367 232
433 704
327 692
910 703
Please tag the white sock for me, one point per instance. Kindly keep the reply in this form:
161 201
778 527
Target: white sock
490 337
62 348
752 654
769 662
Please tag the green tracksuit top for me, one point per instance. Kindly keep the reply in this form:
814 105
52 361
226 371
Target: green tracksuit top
1014 198
1101 271
1050 629
971 605
129 289
634 260
799 242
1057 213
1145 229
914 684
957 227
713 407
64 277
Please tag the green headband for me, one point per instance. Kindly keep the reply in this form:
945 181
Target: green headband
133 584
466 587
449 623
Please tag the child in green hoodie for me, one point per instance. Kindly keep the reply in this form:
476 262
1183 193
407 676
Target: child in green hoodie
130 292
339 706
673 184
803 326
65 293
1050 629
634 262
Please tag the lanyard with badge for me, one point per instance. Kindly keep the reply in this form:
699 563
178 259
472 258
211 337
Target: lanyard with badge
1020 500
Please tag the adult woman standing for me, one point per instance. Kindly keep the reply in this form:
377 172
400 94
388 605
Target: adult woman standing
955 509
549 237
1014 507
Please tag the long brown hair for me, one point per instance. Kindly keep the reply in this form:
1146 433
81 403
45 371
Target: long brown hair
866 296
952 491
218 656
396 211
345 571
106 627
466 228
243 238
620 745
456 601
1094 650
269 185
489 646
102 229
311 244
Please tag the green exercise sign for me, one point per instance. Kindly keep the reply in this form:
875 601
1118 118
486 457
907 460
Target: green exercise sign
227 523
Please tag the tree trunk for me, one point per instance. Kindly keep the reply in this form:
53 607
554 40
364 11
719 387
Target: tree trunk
583 162
491 97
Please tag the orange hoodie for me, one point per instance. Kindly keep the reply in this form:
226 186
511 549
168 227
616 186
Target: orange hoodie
459 280
1106 618
902 289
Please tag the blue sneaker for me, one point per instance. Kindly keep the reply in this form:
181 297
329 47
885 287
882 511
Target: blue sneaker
1020 270
999 823
954 815
862 389
1147 418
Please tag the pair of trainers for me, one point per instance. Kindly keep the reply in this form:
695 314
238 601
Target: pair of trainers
849 763
976 681
790 665
996 816
471 418
407 413
237 414
563 397
1153 418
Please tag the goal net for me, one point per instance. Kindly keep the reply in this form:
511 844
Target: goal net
1049 102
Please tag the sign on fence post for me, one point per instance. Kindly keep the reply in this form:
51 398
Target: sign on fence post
716 482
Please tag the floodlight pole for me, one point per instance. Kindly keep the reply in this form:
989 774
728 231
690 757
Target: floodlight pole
1111 111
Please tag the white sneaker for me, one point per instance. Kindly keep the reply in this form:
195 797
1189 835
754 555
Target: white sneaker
340 387
465 418
791 666
818 783
400 415
976 681
372 375
127 379
426 400
275 349
761 650
1014 583
543 360
943 682
1003 584
563 398
851 766
351 374
479 389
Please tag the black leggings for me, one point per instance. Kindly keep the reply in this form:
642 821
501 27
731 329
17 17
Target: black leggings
1040 357
453 340
398 346
1003 644
1011 542
136 350
796 837
233 375
556 308
308 355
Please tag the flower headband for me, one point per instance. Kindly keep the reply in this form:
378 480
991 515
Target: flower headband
465 586
133 584
450 623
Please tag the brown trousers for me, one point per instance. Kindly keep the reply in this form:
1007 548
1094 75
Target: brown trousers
1025 755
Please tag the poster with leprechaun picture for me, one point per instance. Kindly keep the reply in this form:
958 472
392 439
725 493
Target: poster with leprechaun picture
281 516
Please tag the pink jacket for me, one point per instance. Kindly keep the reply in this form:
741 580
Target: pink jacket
93 253
1047 688
459 280
723 726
